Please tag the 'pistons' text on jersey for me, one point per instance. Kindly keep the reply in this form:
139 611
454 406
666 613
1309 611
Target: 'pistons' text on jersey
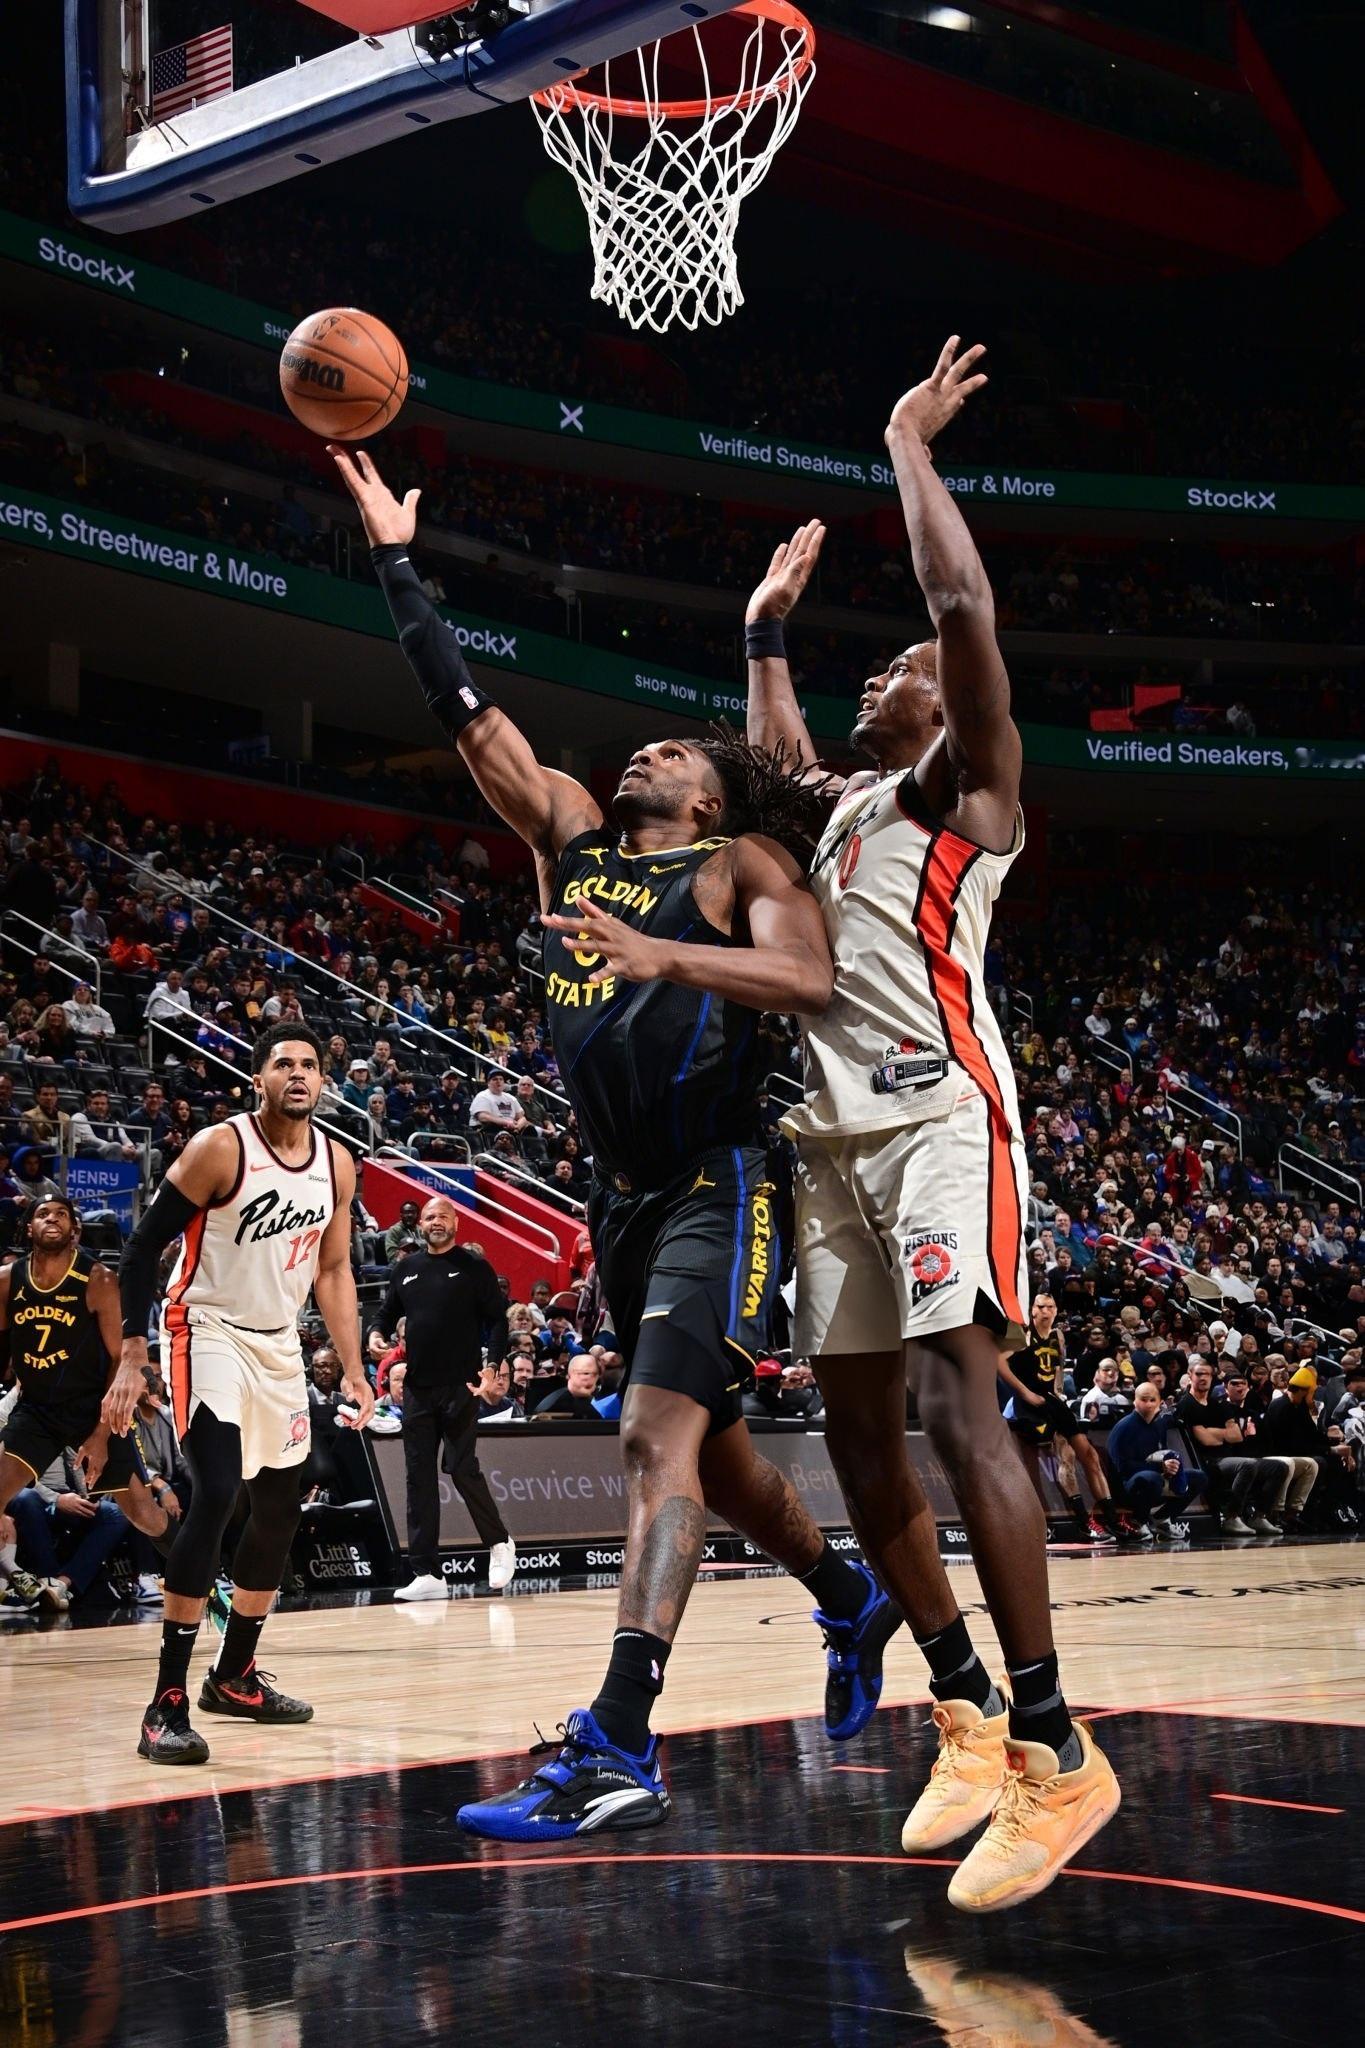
655 1072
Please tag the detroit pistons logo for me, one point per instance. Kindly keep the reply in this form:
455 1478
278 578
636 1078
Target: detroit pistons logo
298 1429
931 1256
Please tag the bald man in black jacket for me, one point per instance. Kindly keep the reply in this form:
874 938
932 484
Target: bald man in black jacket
451 1304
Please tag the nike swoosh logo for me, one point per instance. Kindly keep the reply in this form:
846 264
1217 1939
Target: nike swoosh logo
261 1169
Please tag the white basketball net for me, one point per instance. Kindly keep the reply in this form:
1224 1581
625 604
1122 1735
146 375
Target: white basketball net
662 188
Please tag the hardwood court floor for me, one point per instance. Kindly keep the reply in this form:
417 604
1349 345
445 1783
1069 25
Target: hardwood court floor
309 1883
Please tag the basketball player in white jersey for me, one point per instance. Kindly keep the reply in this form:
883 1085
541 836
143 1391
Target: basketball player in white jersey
261 1204
911 1186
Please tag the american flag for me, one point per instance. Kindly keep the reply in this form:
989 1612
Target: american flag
200 69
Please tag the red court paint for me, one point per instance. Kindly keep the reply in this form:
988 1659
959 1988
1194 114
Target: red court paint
1291 1805
531 1862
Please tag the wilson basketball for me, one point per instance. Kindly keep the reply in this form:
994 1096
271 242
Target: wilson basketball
343 374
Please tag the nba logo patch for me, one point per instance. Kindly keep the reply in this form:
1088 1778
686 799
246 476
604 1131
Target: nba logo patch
298 1429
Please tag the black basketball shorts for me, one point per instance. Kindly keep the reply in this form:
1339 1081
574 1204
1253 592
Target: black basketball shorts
690 1274
1041 1425
36 1436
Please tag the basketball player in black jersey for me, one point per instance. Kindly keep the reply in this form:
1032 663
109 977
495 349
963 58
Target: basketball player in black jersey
667 932
60 1309
1041 1421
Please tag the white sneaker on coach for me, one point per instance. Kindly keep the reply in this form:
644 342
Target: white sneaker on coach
149 1593
502 1564
427 1587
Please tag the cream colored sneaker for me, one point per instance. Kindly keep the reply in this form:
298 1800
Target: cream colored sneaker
965 1782
976 2008
1043 1817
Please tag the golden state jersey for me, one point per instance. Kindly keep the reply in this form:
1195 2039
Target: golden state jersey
251 1259
909 1032
55 1348
656 1073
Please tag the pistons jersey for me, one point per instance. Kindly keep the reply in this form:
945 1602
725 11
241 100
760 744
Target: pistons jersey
251 1258
909 1032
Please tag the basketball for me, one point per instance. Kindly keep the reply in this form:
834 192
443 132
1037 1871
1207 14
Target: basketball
343 373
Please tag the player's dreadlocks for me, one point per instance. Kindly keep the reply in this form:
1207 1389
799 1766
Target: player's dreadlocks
769 791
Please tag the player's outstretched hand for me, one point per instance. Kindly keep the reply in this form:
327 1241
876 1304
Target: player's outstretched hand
385 520
624 951
358 1394
789 572
928 407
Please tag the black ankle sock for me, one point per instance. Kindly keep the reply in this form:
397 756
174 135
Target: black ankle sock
1038 1711
177 1643
240 1637
840 1591
1076 1509
634 1680
956 1672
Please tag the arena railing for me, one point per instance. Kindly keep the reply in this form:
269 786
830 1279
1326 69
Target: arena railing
785 1087
56 946
1020 1000
1204 1293
1109 1056
344 1137
463 1193
1292 1324
1191 1101
544 1191
1305 1165
11 939
302 967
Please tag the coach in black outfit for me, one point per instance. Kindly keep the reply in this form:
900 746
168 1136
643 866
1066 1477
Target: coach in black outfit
449 1297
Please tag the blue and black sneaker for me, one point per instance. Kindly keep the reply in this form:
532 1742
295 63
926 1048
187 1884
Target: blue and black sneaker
589 1787
854 1684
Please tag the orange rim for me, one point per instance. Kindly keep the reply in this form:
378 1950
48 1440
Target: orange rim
568 94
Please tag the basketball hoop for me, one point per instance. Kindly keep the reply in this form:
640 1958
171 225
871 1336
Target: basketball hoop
663 199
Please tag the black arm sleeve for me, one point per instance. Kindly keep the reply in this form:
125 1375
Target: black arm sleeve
163 1220
433 653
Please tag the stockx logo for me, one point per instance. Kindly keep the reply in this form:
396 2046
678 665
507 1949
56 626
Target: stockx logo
98 269
479 640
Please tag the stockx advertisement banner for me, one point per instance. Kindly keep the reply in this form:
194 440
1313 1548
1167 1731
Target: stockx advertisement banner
108 539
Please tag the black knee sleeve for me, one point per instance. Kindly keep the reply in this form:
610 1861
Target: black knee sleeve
213 1451
275 1494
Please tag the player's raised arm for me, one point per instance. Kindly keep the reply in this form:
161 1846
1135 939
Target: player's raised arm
983 745
543 806
774 717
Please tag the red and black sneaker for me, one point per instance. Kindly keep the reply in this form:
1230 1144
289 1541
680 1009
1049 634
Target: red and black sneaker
167 1737
251 1697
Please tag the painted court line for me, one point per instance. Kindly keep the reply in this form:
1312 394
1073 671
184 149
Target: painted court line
1292 1805
533 1863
